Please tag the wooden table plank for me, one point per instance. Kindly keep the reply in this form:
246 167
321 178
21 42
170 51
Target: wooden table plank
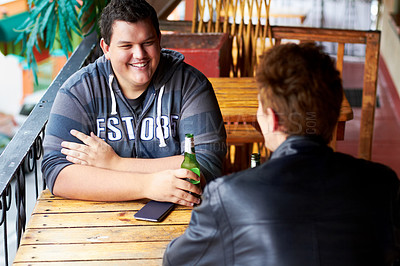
242 133
124 262
108 234
77 206
57 206
237 98
95 251
97 219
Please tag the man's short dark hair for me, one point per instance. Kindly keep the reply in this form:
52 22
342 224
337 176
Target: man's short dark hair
126 10
302 85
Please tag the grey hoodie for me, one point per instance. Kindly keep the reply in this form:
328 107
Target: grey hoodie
179 100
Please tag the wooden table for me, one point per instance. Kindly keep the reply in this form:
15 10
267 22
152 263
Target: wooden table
71 232
237 98
238 101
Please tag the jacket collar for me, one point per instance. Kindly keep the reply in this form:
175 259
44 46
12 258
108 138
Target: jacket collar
298 144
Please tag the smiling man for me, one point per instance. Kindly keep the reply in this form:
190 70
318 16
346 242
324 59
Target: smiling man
116 130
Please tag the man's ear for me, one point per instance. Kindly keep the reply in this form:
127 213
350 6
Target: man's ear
273 119
105 47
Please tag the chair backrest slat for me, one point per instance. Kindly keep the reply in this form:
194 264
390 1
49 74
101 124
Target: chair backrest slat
369 94
340 57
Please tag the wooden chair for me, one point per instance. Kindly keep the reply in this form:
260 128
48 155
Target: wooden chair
371 40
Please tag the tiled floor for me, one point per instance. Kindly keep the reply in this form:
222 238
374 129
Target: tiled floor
386 140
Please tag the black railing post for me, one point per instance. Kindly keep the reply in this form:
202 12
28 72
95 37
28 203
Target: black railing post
5 203
20 200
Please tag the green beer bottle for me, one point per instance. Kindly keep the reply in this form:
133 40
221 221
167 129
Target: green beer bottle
190 161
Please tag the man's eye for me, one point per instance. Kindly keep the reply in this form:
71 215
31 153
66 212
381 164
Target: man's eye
148 43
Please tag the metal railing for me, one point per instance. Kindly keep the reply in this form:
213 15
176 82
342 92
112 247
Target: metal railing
22 154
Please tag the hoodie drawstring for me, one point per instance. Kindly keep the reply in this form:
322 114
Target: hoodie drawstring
113 102
159 131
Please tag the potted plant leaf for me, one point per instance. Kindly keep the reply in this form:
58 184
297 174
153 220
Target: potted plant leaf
53 24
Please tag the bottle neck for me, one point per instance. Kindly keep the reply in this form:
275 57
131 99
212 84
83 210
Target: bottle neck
254 164
255 160
189 145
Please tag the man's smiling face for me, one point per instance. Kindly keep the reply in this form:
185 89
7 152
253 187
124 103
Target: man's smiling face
134 52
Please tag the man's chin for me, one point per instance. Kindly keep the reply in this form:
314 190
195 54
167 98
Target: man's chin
140 77
143 83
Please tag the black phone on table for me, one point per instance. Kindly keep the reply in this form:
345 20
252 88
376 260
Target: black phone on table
154 211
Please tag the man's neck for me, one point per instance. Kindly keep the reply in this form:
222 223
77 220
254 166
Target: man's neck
133 94
276 140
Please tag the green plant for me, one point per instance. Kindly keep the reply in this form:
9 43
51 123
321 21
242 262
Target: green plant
53 22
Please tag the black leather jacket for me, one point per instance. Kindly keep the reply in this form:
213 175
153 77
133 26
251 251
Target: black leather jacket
307 206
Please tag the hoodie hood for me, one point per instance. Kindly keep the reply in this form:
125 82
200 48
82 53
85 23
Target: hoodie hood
169 61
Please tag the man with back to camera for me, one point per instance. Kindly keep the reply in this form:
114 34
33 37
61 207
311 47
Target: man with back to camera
307 205
131 110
